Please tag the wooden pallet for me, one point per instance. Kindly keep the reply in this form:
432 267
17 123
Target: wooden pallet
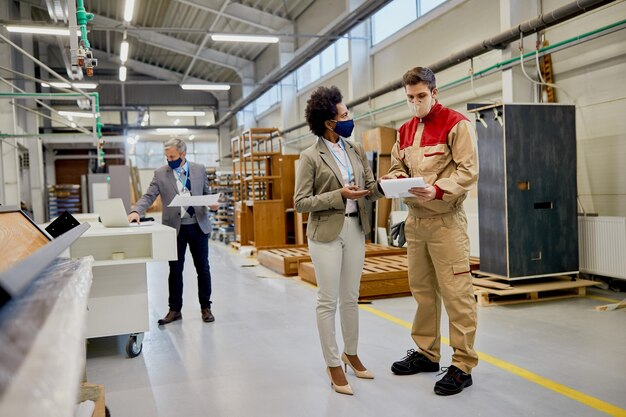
285 260
491 291
383 276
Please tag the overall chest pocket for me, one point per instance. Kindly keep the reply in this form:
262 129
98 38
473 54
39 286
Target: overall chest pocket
434 158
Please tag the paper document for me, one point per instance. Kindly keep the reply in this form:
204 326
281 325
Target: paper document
400 187
194 200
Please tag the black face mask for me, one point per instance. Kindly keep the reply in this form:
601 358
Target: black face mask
175 164
344 128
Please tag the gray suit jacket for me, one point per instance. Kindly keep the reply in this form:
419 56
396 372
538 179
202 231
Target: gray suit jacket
164 183
318 185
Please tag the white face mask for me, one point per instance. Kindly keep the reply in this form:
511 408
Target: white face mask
421 109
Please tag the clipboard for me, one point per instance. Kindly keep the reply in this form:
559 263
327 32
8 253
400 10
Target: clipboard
399 188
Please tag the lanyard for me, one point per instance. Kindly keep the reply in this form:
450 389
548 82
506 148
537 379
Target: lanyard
180 178
347 162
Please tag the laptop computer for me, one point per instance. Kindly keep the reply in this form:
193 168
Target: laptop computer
113 214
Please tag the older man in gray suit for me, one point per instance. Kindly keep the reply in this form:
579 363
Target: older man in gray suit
192 224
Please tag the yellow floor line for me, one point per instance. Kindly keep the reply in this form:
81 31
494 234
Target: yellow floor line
608 300
585 399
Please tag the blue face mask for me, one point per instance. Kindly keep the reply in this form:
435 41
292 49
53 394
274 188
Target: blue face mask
175 164
344 128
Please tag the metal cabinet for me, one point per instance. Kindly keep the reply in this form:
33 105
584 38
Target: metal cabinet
527 190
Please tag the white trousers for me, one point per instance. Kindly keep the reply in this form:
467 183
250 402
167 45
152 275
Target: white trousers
338 268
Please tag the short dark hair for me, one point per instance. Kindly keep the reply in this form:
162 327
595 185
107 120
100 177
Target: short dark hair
322 106
420 75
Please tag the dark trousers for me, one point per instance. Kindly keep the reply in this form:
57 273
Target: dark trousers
198 242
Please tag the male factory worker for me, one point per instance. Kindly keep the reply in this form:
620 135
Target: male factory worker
439 145
192 225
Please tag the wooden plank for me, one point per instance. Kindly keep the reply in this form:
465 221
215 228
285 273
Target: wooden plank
552 289
19 238
285 260
609 307
490 283
382 276
94 393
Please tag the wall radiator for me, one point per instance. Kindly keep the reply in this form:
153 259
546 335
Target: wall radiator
602 246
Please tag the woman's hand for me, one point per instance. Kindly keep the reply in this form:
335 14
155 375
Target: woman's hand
351 192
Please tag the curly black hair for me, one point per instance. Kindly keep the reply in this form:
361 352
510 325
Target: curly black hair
322 106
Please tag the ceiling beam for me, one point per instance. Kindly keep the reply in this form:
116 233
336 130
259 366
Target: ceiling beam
147 69
176 45
245 14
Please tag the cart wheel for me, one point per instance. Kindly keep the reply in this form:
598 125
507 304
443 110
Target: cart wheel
133 349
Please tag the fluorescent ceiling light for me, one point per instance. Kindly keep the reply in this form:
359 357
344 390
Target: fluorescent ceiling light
76 114
124 51
41 30
186 113
86 86
128 10
122 73
208 87
171 130
223 37
56 84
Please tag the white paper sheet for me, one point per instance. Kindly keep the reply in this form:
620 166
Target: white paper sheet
400 187
194 200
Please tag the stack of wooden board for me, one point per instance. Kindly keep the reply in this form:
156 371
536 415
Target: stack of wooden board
286 260
492 291
383 276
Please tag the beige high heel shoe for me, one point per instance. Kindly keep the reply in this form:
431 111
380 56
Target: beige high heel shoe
341 389
359 374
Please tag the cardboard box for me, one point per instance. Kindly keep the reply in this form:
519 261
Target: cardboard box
380 139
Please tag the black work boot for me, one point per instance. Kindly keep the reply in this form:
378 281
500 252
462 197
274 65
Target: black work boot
453 382
413 363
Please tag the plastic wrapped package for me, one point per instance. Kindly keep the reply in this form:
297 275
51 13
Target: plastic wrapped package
42 339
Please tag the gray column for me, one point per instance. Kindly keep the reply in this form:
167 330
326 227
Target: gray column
34 195
515 87
9 169
359 68
289 94
224 130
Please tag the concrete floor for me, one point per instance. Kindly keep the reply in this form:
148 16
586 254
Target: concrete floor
261 357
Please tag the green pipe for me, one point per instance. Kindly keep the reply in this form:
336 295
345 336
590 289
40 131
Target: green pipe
499 65
530 54
496 66
51 96
82 17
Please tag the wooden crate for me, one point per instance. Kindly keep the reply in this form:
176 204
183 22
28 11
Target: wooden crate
285 260
383 276
491 291
380 139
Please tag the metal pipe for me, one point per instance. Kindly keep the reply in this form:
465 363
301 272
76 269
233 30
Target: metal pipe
41 64
82 17
499 41
500 66
7 95
80 128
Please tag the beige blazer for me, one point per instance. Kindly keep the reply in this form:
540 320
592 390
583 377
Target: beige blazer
318 185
